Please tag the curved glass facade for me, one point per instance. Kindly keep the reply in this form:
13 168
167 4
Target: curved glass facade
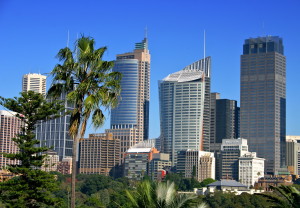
125 114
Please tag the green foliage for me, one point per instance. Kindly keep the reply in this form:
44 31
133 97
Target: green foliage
94 183
229 200
160 195
206 181
91 85
31 187
283 196
183 184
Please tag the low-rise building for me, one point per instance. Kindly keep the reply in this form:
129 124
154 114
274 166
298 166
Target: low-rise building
137 158
226 186
251 168
65 166
195 163
293 154
156 167
50 161
265 182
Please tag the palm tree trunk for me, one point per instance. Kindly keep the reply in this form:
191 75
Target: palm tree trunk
74 169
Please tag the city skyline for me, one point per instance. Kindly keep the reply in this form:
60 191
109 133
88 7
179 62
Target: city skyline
34 34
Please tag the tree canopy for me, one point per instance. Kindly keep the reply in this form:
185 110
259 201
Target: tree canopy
31 187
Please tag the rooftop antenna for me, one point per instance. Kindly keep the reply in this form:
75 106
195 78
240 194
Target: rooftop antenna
146 32
76 48
146 37
68 39
204 49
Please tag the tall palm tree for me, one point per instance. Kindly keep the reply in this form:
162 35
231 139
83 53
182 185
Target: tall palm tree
284 196
90 85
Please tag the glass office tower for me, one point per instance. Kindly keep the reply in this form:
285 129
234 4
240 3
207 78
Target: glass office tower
184 99
263 99
130 119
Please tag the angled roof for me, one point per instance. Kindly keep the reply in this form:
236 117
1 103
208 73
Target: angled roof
230 183
191 72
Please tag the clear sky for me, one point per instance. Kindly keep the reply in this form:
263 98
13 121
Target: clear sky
32 32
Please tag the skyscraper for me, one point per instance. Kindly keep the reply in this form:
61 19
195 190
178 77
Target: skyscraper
10 126
184 100
34 82
130 119
263 99
54 133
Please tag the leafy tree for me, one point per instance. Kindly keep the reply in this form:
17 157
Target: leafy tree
207 181
283 196
31 187
91 85
94 183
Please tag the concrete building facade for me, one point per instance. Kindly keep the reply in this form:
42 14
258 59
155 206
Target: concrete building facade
293 154
159 163
34 82
98 154
50 161
197 164
251 168
231 151
10 126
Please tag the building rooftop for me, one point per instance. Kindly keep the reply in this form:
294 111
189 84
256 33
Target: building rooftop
139 150
191 72
228 183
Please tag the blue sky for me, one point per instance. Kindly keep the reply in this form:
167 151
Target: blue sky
32 32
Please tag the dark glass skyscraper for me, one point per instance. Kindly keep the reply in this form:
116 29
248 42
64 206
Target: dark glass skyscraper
263 99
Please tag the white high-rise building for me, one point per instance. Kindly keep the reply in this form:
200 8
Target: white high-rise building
251 168
184 99
34 82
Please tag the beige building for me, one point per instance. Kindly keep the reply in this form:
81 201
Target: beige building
130 119
34 82
50 161
128 137
10 126
157 165
65 166
293 154
195 163
98 154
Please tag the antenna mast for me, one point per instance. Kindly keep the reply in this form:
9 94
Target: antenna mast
204 50
68 39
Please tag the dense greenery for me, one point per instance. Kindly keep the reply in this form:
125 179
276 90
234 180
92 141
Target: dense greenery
31 187
284 196
90 84
187 184
103 191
